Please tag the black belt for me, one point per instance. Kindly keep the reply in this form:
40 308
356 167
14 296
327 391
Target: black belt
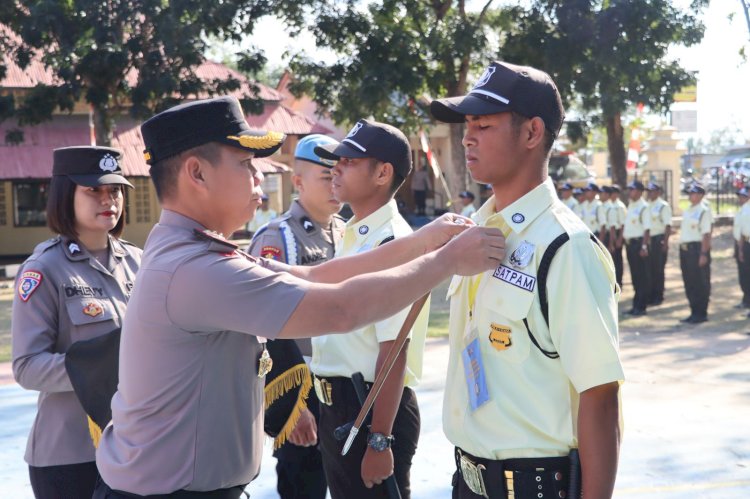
519 478
631 239
689 246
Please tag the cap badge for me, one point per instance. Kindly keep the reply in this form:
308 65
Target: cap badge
270 139
30 280
518 218
74 248
356 128
485 77
307 225
521 257
93 309
364 230
108 163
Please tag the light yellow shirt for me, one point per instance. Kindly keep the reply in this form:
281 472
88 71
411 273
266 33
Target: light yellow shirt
468 210
260 219
696 221
660 214
571 203
532 411
592 216
637 220
616 214
742 222
357 351
604 213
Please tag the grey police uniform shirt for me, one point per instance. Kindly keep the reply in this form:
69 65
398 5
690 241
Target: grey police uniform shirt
63 295
296 239
188 412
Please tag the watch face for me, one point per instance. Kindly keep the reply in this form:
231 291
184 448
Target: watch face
378 442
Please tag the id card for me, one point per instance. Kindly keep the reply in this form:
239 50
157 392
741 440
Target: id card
476 382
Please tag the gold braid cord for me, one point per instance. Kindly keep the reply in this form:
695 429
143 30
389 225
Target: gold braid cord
95 432
270 139
298 375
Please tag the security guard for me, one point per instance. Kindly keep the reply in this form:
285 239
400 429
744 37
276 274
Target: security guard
372 163
637 240
580 197
187 418
566 196
695 254
660 229
606 195
305 235
616 222
593 212
534 369
73 287
262 216
741 232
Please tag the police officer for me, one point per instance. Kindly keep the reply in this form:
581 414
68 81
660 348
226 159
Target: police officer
74 287
637 240
615 222
523 389
188 413
741 232
592 210
566 196
372 163
305 235
660 229
695 254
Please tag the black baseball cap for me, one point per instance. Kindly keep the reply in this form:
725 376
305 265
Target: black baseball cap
591 186
653 186
209 120
567 186
695 187
577 191
637 185
607 189
89 166
466 195
615 187
506 87
371 139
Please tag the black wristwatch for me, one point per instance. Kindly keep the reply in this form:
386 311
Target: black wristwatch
379 442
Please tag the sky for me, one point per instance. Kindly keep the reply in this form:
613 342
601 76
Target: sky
723 78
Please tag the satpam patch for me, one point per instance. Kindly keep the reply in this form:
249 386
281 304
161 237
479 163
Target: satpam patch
515 277
93 309
271 252
500 337
27 284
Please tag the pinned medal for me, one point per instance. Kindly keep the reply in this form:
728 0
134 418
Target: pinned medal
521 257
93 309
265 363
364 230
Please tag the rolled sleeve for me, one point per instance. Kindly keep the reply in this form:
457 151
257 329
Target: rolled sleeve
583 317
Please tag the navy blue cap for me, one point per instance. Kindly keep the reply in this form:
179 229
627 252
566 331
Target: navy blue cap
89 166
606 189
305 149
577 191
637 185
567 186
615 188
591 186
466 195
196 123
653 186
696 188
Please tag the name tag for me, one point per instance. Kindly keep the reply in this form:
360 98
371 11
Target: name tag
516 278
476 382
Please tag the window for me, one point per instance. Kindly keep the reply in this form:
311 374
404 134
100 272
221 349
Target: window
3 212
30 203
141 197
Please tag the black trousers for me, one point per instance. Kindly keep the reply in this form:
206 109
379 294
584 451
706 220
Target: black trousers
617 258
103 491
743 271
639 273
343 473
299 470
69 481
657 259
420 201
697 279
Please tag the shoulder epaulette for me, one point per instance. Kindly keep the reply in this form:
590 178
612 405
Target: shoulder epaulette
217 242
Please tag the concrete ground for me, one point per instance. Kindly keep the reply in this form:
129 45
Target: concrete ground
686 404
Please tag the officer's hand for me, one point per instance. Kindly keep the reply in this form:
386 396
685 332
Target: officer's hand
376 466
438 232
703 261
475 250
305 432
644 253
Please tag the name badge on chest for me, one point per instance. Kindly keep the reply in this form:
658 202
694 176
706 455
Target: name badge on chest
476 381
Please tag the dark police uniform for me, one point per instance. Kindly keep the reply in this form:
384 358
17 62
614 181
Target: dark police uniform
296 239
65 295
187 417
510 408
696 222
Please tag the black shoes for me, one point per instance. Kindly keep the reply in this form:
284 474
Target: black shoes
694 319
636 312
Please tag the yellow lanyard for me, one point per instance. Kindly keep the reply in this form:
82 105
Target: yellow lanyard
474 281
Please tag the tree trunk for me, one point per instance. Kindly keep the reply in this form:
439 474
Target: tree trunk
455 170
616 147
103 126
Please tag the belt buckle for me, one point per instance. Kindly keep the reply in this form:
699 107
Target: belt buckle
472 475
323 391
684 246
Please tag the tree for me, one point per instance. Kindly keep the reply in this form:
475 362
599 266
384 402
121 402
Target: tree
138 55
612 54
390 54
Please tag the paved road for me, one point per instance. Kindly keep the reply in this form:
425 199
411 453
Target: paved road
686 406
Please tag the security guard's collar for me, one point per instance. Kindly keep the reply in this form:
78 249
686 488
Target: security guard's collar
365 227
523 211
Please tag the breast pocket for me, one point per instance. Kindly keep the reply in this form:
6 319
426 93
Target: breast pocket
90 317
504 306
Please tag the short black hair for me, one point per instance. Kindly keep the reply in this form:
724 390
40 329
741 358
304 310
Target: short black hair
164 172
61 217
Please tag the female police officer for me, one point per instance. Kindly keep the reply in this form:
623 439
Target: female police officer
73 287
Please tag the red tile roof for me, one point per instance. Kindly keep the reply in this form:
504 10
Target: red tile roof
280 118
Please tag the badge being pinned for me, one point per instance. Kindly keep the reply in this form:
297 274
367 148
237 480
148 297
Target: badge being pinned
27 284
93 309
521 257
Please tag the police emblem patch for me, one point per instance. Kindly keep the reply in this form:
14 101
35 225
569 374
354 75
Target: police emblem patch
271 252
500 337
364 230
518 218
93 309
485 77
74 248
522 255
27 284
108 163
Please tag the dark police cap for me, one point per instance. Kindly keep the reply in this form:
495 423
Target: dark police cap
567 186
607 189
506 87
653 186
696 188
615 187
577 191
591 186
89 166
637 185
196 123
371 139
